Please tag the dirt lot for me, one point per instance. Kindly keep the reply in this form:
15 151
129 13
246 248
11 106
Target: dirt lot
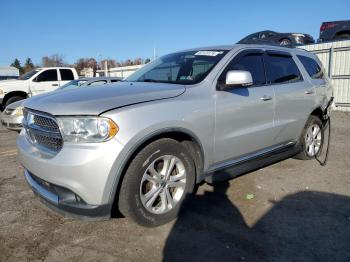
298 211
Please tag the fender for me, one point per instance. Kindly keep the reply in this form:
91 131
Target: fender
137 145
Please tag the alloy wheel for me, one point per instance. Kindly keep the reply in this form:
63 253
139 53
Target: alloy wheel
313 140
163 184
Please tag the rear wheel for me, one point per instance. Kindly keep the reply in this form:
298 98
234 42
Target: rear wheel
311 139
156 183
285 42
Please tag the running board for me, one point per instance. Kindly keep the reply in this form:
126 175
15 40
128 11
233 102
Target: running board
252 162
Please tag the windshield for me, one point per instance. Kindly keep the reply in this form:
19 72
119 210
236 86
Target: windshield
28 75
186 68
72 84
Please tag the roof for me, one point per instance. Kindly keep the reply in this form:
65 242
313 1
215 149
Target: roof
239 46
54 67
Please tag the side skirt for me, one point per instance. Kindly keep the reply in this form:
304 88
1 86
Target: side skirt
251 164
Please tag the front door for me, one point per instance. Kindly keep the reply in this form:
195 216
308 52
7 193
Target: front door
46 81
244 115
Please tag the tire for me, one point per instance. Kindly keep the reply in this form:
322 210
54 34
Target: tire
12 100
316 142
285 42
144 182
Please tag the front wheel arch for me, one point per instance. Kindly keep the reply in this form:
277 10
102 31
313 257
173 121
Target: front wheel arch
22 94
186 137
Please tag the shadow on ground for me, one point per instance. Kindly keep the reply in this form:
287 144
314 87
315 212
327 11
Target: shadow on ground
307 226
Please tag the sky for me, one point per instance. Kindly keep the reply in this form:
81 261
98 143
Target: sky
130 29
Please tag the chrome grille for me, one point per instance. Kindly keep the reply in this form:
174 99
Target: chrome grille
45 122
42 130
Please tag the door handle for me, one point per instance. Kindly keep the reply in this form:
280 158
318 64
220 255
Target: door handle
266 98
54 84
309 92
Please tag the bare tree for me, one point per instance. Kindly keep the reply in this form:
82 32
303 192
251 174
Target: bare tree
53 60
110 63
127 62
137 61
28 65
82 63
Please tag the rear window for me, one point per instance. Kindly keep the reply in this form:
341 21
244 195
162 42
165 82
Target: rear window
312 67
282 69
66 74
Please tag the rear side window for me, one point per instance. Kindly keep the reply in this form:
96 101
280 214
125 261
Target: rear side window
252 63
48 75
66 74
282 69
312 67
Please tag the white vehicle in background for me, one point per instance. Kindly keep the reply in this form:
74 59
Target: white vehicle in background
12 116
37 81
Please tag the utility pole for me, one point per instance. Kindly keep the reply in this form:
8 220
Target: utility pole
106 69
100 57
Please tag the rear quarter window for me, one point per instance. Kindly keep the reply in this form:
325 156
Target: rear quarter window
312 67
66 74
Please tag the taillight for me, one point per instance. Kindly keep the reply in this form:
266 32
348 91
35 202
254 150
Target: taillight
326 26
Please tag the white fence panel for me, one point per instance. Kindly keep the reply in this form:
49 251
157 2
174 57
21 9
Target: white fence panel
335 57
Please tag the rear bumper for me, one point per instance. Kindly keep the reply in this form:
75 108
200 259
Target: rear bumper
64 201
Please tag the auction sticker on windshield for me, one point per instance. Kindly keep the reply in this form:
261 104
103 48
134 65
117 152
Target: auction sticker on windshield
209 53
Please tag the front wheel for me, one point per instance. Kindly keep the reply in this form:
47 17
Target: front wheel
311 139
156 183
12 100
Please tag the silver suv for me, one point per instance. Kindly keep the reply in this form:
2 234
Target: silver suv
204 114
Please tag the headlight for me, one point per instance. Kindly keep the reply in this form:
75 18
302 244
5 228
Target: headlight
18 111
87 129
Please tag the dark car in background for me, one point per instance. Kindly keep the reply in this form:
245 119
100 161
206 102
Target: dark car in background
274 38
336 30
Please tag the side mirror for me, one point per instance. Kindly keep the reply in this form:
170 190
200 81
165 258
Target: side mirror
235 78
238 78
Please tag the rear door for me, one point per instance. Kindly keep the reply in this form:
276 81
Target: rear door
295 97
46 81
66 75
244 115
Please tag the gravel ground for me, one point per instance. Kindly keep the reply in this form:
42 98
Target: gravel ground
291 211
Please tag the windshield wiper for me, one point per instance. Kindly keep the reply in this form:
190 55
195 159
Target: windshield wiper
153 80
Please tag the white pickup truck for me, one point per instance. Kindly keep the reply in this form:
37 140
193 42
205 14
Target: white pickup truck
37 81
